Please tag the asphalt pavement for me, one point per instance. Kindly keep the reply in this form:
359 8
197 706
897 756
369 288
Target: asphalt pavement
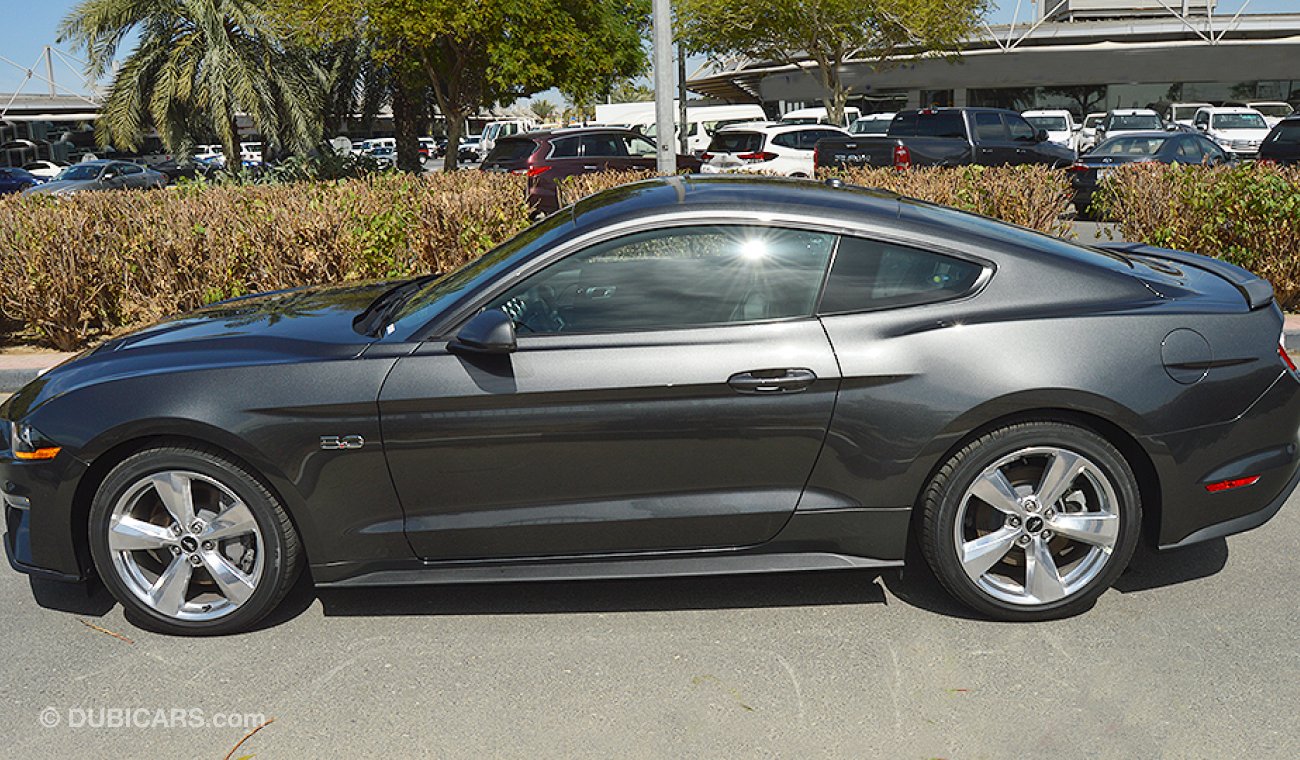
1196 654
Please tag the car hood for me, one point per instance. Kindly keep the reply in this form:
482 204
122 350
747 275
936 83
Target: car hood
63 186
303 324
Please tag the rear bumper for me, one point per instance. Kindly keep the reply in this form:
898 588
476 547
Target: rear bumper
1244 522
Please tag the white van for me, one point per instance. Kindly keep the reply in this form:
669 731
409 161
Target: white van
702 122
818 116
503 128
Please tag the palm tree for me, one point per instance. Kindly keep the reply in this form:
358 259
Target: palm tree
198 64
543 109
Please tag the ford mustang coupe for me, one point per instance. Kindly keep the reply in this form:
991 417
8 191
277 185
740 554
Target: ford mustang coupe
675 377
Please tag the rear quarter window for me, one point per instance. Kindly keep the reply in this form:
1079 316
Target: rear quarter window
869 274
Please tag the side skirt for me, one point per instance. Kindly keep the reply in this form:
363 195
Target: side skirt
566 569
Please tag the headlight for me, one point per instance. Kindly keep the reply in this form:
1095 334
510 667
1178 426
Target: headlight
28 444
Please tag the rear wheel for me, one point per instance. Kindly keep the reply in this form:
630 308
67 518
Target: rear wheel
191 543
1032 521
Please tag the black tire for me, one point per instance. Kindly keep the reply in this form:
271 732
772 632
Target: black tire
282 556
942 503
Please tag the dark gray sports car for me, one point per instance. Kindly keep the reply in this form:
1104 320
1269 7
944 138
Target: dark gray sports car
676 377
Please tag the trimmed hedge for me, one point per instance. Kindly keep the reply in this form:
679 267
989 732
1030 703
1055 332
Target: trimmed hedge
1248 215
77 269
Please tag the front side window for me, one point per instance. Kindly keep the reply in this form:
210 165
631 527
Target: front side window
640 147
1019 129
988 127
672 278
869 274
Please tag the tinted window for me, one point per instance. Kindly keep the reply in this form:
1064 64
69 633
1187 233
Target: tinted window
1189 151
809 137
870 127
988 127
128 168
604 145
1138 121
676 277
1018 128
786 140
512 149
1286 132
928 124
736 142
1238 121
872 275
565 148
1050 123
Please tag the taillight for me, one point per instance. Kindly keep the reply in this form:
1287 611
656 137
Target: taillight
533 171
706 156
902 157
1078 167
1283 355
761 155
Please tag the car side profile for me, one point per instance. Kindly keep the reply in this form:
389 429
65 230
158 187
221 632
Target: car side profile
1088 172
784 148
100 175
681 376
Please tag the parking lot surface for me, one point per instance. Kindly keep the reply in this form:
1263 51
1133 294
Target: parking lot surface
1195 654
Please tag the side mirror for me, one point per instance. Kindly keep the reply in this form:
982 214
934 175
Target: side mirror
1202 126
1041 135
489 332
1171 127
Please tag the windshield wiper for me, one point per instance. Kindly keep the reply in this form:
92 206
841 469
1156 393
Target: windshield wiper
388 303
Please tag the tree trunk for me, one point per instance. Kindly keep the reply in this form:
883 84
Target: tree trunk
406 115
230 149
455 128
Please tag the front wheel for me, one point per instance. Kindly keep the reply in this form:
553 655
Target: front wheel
191 543
1032 521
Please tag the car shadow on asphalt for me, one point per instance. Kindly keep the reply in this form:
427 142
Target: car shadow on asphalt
90 599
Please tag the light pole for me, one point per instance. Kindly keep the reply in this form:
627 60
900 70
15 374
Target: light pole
663 79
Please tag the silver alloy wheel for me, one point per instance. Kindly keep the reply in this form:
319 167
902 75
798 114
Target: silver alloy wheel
1037 525
185 545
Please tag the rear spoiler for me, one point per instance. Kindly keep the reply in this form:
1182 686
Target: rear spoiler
1257 291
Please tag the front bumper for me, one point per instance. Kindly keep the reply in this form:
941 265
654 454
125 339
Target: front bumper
41 537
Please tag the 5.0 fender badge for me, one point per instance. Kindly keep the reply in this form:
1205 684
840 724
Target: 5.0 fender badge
337 442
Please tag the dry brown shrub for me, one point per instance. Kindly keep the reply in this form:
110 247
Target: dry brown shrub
78 267
578 186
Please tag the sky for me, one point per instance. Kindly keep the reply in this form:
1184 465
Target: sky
32 24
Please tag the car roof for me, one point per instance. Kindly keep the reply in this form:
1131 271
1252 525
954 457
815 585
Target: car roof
1228 109
571 131
1047 112
1133 112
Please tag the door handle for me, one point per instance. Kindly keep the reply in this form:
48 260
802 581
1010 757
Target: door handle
986 150
764 381
591 167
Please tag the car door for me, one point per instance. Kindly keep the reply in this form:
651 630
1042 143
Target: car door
642 154
992 146
1023 141
604 151
670 391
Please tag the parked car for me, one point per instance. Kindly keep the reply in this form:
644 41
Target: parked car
820 116
871 124
1238 130
677 378
1182 113
1088 134
1139 147
784 149
703 122
1282 146
16 180
947 137
428 149
1059 125
1120 121
99 175
470 149
547 157
43 170
385 157
1273 111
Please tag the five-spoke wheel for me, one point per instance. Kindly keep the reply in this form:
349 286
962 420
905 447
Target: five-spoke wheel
1031 521
191 542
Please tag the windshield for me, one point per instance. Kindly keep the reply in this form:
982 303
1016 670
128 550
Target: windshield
81 171
1050 123
428 302
1130 146
1092 121
1135 121
1273 109
736 142
1238 121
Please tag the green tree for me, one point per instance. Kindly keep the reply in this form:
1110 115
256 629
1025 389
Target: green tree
828 33
475 54
543 109
631 91
197 64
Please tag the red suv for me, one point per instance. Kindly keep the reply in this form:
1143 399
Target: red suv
551 155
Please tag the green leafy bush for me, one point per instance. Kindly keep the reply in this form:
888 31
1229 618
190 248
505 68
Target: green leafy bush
1248 215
